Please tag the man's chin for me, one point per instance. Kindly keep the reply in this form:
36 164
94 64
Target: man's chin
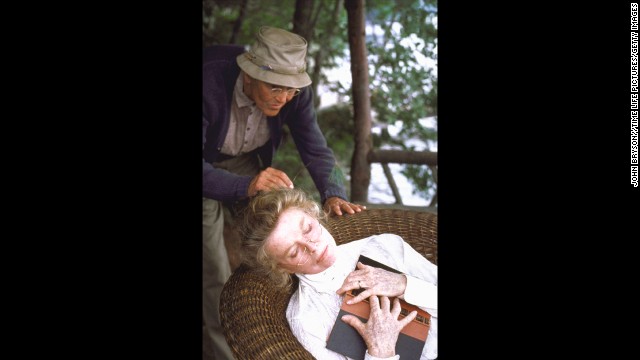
271 112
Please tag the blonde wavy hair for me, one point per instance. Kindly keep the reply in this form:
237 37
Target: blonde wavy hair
259 220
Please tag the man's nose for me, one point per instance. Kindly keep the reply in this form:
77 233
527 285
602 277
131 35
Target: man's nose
282 96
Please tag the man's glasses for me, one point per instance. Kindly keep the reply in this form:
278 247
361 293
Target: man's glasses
277 91
306 255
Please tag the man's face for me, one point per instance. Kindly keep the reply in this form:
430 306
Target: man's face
267 99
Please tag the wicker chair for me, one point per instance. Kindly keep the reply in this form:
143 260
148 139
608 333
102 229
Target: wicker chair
253 312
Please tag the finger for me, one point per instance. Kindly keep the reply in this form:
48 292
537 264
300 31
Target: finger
271 182
354 207
253 187
336 209
268 184
354 322
346 286
363 295
280 177
407 319
374 302
347 207
384 303
350 282
396 309
333 204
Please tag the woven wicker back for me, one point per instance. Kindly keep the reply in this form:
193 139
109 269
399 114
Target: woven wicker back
252 311
419 229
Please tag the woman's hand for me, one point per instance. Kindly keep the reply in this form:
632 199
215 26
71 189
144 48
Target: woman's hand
375 281
381 331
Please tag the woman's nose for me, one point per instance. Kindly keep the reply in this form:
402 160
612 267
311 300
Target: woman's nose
312 246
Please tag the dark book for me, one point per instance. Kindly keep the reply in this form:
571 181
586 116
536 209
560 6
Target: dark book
345 340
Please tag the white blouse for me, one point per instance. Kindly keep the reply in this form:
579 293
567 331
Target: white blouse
313 308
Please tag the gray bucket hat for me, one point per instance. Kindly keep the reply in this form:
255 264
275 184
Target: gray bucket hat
277 57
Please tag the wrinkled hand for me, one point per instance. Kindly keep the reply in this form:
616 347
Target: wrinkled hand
375 280
338 205
381 331
268 179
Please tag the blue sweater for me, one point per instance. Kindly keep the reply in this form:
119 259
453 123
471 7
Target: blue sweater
219 73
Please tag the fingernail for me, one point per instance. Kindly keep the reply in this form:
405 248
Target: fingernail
349 302
291 186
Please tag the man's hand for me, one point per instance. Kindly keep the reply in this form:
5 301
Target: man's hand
269 179
338 205
375 280
381 331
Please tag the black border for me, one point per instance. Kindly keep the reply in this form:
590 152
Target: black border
117 158
534 193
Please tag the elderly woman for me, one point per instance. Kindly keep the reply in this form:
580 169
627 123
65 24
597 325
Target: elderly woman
283 234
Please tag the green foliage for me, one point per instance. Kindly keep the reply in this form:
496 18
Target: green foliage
422 179
219 17
336 123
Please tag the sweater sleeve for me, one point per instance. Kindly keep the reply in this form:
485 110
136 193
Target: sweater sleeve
219 184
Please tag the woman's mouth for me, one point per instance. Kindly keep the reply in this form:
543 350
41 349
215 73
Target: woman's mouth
324 253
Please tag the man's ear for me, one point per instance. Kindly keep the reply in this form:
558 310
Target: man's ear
247 83
246 79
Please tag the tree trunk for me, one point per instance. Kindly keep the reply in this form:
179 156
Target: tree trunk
360 167
302 24
238 23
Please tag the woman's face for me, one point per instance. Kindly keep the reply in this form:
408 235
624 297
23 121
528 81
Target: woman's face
300 244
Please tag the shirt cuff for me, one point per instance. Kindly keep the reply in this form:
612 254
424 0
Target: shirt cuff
421 293
371 357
